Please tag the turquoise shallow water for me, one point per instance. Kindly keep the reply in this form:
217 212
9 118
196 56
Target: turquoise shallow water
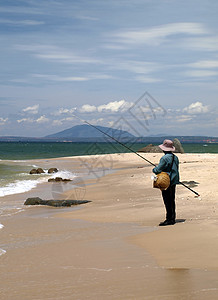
15 177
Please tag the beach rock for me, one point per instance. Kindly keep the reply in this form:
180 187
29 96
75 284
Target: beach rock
52 170
178 146
155 149
191 183
33 201
55 203
37 171
150 149
40 171
58 179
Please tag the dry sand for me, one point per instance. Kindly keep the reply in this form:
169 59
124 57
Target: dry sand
112 247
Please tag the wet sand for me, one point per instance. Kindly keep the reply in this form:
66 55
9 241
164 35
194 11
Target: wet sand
112 247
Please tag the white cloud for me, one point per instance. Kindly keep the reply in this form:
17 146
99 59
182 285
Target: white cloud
64 111
56 54
147 79
99 121
59 78
21 22
42 119
196 108
20 10
201 43
138 67
62 121
99 76
183 118
111 123
201 73
66 58
56 123
156 35
32 109
112 106
86 108
3 121
25 120
68 119
205 64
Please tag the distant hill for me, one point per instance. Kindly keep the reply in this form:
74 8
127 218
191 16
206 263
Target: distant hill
86 131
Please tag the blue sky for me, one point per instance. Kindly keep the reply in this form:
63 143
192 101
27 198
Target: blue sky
148 66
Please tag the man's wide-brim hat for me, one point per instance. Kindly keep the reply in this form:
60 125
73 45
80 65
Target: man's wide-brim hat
167 146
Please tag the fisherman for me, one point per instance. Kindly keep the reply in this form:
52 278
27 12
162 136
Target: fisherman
169 163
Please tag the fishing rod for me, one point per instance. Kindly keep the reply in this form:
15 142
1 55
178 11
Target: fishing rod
84 121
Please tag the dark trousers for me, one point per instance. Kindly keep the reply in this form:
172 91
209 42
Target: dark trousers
169 202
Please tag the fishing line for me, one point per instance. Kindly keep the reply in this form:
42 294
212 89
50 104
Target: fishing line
84 121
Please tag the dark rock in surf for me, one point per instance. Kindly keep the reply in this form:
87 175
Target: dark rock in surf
54 203
33 171
40 171
58 179
33 201
52 170
37 171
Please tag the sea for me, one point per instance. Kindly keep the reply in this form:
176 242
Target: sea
16 161
16 157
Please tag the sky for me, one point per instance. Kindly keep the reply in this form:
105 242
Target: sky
146 66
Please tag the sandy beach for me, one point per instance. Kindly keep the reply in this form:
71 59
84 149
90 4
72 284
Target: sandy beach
112 247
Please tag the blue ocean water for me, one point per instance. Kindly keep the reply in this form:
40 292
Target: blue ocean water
33 150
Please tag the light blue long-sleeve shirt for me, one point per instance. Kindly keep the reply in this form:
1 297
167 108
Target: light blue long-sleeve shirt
165 165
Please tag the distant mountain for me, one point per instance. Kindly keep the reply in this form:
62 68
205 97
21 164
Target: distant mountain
86 131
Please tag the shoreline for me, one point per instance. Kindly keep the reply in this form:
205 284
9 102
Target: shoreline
115 238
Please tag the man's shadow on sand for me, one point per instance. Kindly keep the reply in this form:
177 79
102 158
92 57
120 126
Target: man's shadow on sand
180 220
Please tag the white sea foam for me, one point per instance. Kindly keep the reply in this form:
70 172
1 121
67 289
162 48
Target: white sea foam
20 186
2 252
64 174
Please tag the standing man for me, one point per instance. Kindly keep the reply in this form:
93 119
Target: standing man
169 163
